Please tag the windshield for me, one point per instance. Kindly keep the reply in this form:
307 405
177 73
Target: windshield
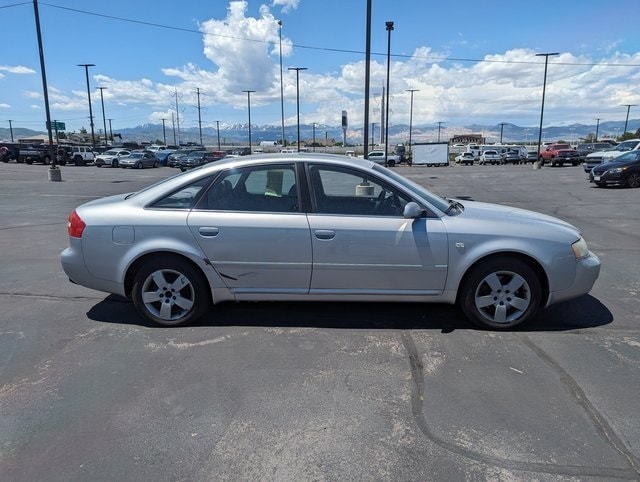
438 202
626 146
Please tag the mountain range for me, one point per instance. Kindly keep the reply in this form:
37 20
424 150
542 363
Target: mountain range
234 134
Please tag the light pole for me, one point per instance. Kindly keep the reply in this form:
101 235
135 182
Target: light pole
164 132
281 82
597 128
439 127
367 76
104 119
373 135
411 91
218 132
544 88
111 131
11 129
249 109
86 71
502 124
626 121
314 137
389 27
298 69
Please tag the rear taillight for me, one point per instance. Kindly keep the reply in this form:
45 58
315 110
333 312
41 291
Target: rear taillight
76 225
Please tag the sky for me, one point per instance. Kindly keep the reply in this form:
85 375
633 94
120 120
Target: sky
471 62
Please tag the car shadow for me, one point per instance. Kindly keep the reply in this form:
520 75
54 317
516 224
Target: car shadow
581 313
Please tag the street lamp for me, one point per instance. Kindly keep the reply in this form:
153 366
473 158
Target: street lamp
389 28
281 81
104 119
86 71
439 127
597 128
544 88
626 121
411 114
298 69
249 109
502 124
314 137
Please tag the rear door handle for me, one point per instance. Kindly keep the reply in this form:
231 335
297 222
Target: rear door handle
208 232
324 233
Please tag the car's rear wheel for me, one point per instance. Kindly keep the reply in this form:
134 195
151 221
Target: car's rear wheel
156 164
170 292
114 163
633 179
139 165
501 293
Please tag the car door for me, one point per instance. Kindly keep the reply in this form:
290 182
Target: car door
362 244
253 232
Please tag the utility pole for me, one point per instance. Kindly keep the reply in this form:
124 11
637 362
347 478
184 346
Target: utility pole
11 130
367 77
110 130
104 120
544 89
164 132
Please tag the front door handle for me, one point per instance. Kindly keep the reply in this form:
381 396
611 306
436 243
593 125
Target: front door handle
324 233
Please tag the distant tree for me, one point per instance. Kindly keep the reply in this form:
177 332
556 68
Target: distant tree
591 137
62 135
83 130
628 135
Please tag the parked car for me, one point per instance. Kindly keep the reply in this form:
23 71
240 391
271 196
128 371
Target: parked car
163 156
81 155
199 158
320 227
589 147
596 158
378 156
173 160
10 151
624 170
139 160
532 156
466 158
490 157
512 156
110 158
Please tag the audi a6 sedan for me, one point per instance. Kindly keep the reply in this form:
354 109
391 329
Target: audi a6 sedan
320 228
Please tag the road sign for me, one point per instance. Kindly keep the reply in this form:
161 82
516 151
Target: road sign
57 125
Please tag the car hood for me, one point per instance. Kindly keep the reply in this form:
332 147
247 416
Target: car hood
495 212
613 164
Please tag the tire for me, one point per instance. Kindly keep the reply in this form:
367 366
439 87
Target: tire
391 163
139 165
633 179
156 164
46 161
78 161
114 163
29 161
170 292
501 293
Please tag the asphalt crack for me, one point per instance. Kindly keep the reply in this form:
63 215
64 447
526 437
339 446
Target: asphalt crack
417 408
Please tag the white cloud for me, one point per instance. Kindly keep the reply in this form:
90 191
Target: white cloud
17 69
287 5
5 106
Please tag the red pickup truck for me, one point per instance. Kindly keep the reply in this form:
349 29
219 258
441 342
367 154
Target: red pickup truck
558 154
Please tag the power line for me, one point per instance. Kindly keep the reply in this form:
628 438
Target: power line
324 49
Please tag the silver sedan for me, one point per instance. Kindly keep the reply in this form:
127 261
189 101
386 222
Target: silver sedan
321 228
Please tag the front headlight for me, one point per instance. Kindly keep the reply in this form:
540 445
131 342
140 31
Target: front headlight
616 170
580 248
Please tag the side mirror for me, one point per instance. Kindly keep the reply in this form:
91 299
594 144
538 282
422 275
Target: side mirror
412 210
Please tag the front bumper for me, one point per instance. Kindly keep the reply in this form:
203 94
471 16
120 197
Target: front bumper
587 272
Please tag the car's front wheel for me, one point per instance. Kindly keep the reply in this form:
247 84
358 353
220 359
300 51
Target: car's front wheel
501 293
633 179
170 292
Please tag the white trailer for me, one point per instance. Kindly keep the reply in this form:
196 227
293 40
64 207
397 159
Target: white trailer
430 154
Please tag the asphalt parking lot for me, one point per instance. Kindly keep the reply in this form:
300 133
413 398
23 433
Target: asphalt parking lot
287 391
